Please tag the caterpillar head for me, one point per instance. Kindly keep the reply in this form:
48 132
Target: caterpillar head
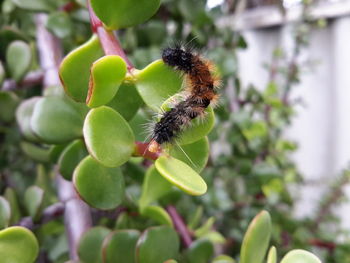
178 58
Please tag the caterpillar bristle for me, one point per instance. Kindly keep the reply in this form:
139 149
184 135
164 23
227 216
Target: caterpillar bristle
201 82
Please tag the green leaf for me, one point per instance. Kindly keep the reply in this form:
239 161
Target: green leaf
8 104
5 213
154 187
203 230
156 83
124 13
24 113
107 73
127 101
35 152
75 68
97 185
36 5
181 175
158 214
33 199
18 244
19 59
272 255
59 24
119 246
256 239
70 158
11 197
56 151
108 136
163 238
198 128
300 256
195 155
2 73
57 120
90 244
200 251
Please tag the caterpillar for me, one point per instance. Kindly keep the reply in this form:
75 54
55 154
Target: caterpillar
200 86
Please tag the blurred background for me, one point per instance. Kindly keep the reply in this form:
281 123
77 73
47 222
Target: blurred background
281 139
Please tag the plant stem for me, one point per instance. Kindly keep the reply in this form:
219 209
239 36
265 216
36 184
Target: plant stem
141 149
180 226
31 79
109 42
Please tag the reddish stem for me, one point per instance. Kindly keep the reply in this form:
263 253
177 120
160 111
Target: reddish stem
322 244
180 226
109 42
69 7
141 149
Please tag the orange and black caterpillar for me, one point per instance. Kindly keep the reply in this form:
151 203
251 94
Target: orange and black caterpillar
200 84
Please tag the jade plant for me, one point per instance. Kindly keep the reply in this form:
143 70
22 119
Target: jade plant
84 124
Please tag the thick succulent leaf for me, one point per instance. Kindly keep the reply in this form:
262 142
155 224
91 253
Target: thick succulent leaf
18 244
11 197
195 155
19 59
127 101
272 255
5 212
156 83
75 69
23 115
99 186
181 175
124 13
223 259
256 239
2 73
36 5
33 199
154 187
8 104
90 244
158 214
56 151
300 256
198 128
108 136
70 158
59 24
57 120
35 151
107 73
163 238
119 246
200 251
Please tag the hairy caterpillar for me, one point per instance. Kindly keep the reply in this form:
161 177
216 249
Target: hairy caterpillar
200 85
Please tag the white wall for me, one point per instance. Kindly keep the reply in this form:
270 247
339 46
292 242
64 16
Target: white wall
322 126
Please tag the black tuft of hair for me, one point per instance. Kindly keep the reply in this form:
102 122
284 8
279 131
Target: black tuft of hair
178 58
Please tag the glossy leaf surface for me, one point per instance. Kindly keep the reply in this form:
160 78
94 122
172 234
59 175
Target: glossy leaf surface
200 251
107 73
5 212
300 256
18 244
19 59
272 255
99 186
108 136
8 104
163 238
158 214
23 115
124 13
75 69
181 175
33 198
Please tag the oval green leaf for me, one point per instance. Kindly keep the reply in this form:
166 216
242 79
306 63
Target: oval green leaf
195 155
158 214
5 212
97 185
163 238
256 239
19 59
119 246
156 83
57 120
181 175
18 239
108 136
300 256
2 73
90 244
8 104
59 24
36 5
33 199
11 197
201 250
272 255
124 13
23 115
107 73
75 68
70 158
223 259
